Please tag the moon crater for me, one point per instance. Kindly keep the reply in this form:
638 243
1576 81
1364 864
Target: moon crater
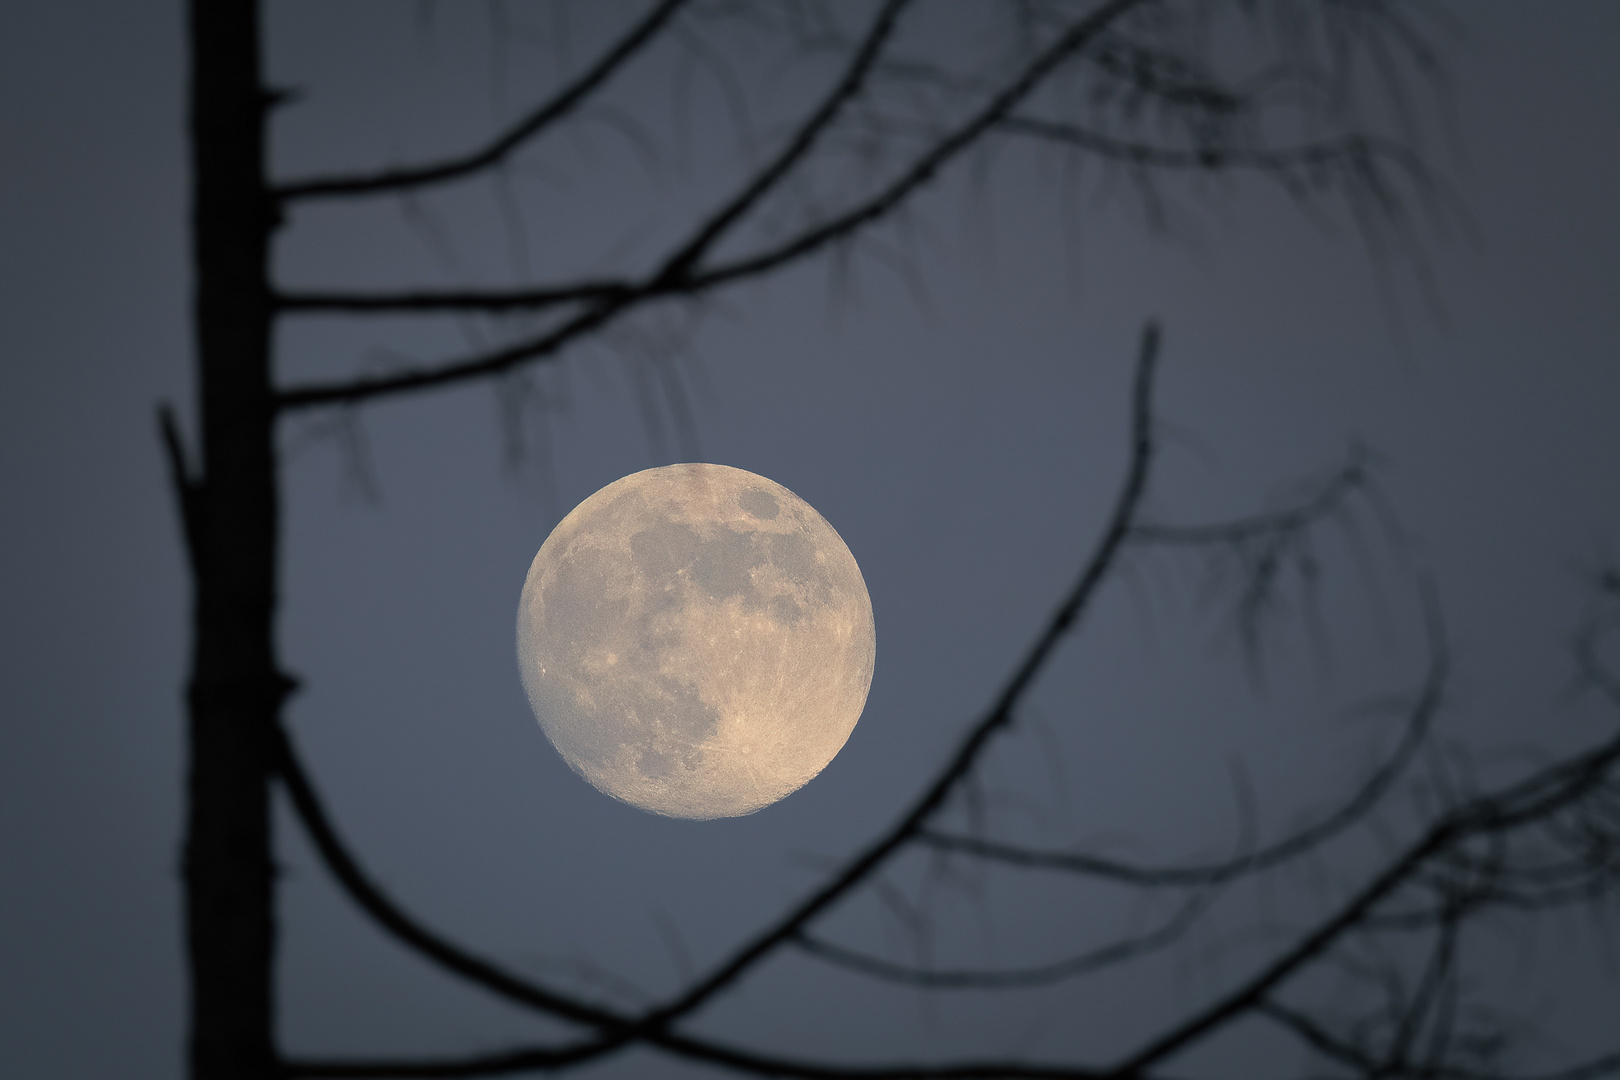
696 640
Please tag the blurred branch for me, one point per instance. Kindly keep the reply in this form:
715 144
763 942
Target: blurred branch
1534 801
1318 1037
187 487
678 267
523 299
515 1061
1420 717
679 274
542 117
480 972
1360 153
402 926
1328 498
1105 956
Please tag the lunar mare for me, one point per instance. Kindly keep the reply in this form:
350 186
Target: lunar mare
696 640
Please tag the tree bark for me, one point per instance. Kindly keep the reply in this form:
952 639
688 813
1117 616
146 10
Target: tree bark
235 688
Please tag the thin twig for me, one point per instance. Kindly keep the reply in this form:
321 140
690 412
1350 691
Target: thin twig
537 121
188 491
1115 952
1420 721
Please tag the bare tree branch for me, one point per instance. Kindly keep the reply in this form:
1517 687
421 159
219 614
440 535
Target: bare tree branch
187 488
1419 721
1359 151
1356 153
520 299
617 1028
516 1061
679 274
1115 952
1313 1033
1328 498
402 926
678 267
542 117
1527 803
927 165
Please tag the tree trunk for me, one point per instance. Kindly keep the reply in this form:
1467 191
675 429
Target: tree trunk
235 689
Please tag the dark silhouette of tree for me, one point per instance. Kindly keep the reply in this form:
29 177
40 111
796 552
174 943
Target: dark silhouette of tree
1147 88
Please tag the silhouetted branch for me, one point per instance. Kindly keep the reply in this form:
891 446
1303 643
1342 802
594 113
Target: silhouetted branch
676 266
1607 1065
480 972
1419 721
402 926
1170 77
678 275
1105 956
515 1061
1306 950
927 164
1358 151
679 265
1331 1046
542 117
1489 818
1318 1037
1325 501
518 299
188 492
497 1063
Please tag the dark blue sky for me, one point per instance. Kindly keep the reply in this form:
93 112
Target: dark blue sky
965 446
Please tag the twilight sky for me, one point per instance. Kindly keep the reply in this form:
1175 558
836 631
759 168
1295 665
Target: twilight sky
965 445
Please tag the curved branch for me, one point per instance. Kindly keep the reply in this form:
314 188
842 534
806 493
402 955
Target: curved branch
568 99
678 275
1358 148
402 926
617 1029
187 486
678 266
1318 1037
924 168
1528 802
1419 722
492 363
497 1063
1607 1065
1352 476
1249 995
1114 952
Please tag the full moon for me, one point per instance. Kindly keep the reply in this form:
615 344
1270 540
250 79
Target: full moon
696 640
